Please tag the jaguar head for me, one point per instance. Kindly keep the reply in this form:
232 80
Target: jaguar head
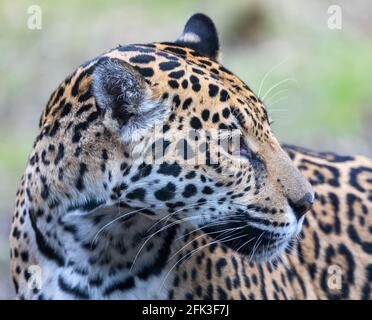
167 130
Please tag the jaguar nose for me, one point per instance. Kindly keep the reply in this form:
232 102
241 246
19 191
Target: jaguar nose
303 205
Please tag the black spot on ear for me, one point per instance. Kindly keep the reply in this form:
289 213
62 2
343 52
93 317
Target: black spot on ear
200 34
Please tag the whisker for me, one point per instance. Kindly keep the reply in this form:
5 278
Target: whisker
293 250
170 225
233 214
213 223
278 84
204 234
182 209
114 220
268 245
244 244
268 101
158 231
166 218
191 253
254 246
268 73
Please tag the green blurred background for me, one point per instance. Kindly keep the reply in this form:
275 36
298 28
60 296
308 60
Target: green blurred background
318 93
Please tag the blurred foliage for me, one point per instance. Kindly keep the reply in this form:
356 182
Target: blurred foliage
13 155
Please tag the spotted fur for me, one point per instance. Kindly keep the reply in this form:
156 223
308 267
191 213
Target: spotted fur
95 220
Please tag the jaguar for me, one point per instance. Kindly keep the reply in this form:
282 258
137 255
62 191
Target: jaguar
155 174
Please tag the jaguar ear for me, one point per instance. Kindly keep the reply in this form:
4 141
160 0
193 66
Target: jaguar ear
121 91
201 35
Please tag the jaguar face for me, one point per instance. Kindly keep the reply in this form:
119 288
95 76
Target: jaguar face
165 129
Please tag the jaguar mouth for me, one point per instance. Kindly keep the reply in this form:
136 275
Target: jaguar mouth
256 243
